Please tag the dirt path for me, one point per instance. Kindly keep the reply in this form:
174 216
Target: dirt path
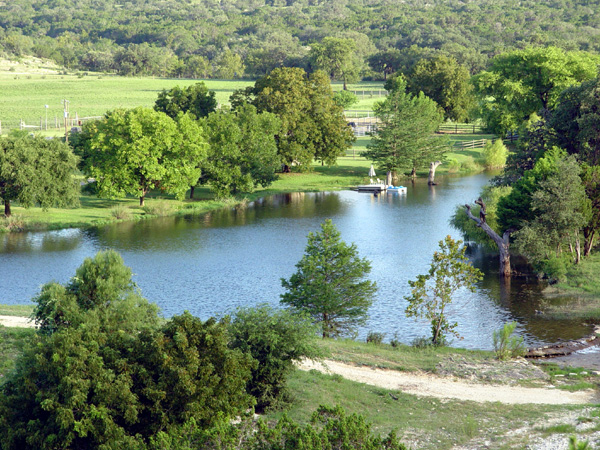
433 386
16 321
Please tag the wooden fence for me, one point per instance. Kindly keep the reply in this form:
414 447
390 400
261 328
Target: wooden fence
459 128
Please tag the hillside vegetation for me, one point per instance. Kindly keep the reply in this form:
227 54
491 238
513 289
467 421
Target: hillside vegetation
232 38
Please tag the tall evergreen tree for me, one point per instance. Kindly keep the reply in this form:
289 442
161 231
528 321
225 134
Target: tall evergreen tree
329 284
405 136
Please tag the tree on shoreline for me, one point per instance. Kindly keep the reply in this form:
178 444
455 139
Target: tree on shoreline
450 271
405 133
37 171
329 284
134 151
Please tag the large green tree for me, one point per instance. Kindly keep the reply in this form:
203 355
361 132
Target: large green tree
445 81
431 294
551 239
405 137
330 283
195 99
576 121
522 82
102 372
338 58
242 150
134 151
312 124
37 171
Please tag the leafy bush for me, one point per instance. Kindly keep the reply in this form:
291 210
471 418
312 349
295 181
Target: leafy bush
345 99
13 223
495 154
329 428
276 339
507 346
374 337
453 165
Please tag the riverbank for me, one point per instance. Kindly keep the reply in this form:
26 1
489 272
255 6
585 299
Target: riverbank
583 284
349 172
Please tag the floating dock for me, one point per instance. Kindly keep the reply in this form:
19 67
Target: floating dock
378 188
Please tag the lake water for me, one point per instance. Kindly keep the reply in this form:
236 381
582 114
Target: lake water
210 264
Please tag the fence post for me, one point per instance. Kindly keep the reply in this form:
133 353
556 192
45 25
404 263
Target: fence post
41 124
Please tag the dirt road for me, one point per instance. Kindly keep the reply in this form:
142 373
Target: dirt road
428 385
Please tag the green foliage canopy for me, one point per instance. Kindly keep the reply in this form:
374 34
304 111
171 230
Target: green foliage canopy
450 271
522 82
405 134
195 99
445 81
312 124
134 151
103 373
242 150
329 284
37 171
276 339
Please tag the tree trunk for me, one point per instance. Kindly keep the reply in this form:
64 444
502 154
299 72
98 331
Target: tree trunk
413 174
7 212
503 242
389 179
141 200
192 192
588 240
432 166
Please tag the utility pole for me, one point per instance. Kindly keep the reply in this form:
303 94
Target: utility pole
66 111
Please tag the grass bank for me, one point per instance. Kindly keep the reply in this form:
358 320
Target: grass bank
578 297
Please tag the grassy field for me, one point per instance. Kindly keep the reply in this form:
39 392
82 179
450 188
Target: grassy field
25 94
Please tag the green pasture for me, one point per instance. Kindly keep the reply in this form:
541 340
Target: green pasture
24 96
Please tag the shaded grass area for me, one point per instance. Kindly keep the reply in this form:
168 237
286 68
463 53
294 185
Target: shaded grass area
12 342
426 423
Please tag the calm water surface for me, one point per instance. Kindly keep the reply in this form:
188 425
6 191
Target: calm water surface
213 263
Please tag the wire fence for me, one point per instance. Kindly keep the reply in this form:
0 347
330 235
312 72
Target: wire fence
44 124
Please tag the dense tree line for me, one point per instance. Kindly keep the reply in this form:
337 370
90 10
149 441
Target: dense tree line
547 200
238 38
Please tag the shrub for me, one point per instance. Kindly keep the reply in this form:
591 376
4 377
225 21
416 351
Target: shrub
276 339
103 373
495 154
507 346
374 337
158 208
12 223
120 212
345 99
395 342
329 428
422 342
453 165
